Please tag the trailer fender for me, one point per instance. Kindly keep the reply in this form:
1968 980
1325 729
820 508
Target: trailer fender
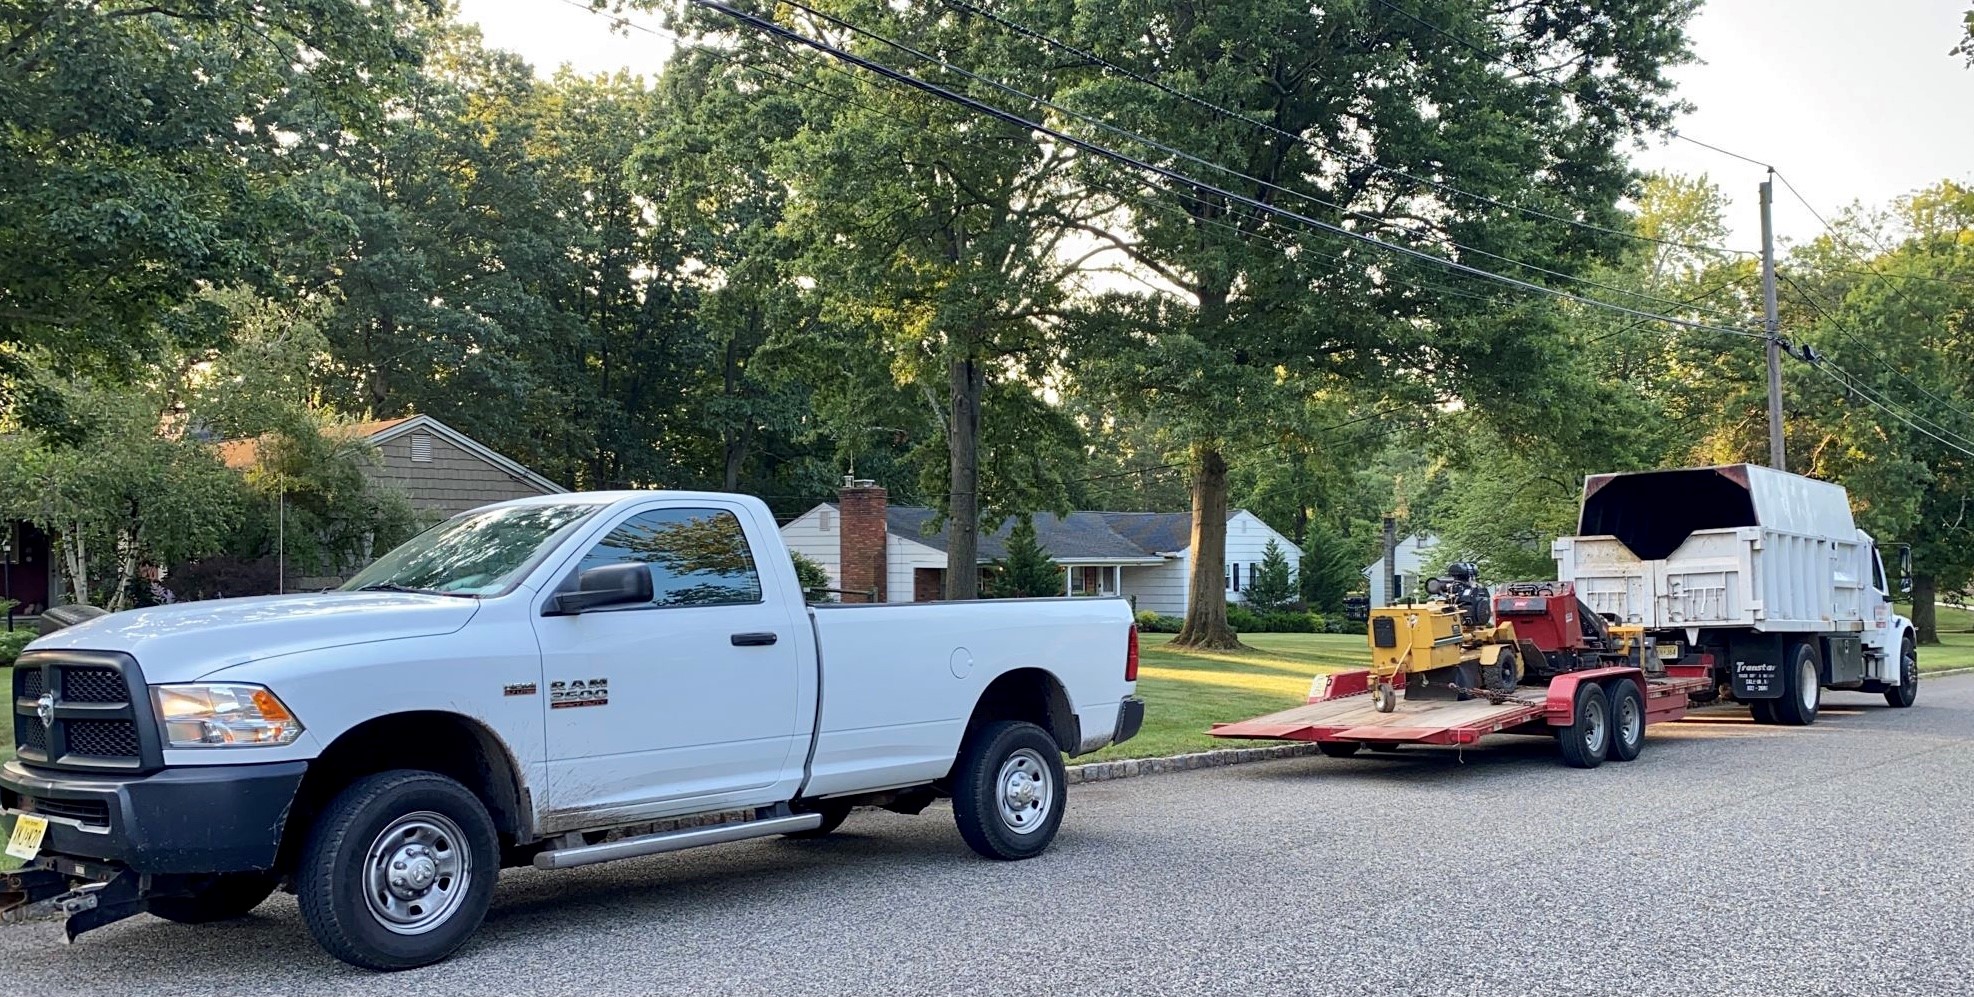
1559 709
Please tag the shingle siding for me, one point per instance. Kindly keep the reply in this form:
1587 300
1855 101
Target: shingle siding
453 481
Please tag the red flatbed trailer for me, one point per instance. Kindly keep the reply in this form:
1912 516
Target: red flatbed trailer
1340 713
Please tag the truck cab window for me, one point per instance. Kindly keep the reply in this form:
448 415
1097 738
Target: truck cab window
1878 571
697 557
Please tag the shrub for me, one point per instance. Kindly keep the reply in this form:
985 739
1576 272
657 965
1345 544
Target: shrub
813 577
1245 620
1155 623
11 642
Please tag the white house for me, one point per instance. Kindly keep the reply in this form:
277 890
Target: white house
1410 556
1141 555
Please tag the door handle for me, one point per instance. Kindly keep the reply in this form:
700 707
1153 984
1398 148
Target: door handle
753 640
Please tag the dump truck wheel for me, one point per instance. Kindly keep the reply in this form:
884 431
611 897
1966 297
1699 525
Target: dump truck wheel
1802 687
1907 691
1586 742
1627 721
1338 749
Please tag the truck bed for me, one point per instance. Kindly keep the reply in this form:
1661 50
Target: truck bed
1341 710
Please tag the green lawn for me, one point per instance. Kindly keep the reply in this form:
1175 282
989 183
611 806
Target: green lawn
1187 692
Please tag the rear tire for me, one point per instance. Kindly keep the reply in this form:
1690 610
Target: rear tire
398 871
1627 721
1906 692
833 815
1009 790
1802 687
1338 749
227 897
1586 742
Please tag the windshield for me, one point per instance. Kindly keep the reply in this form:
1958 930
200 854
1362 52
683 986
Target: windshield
473 554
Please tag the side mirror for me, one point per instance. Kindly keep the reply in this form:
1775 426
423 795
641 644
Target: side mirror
605 585
1905 569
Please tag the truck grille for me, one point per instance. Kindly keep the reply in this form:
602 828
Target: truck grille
93 812
99 713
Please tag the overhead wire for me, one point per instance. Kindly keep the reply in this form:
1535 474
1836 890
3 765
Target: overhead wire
1367 162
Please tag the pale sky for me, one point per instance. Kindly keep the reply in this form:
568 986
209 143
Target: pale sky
1850 99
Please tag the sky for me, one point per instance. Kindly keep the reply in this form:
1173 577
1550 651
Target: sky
1851 100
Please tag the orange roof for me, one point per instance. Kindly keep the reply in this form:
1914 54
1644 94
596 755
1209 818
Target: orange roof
243 454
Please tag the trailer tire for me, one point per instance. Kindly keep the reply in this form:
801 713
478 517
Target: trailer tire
1338 749
1802 687
354 906
1586 742
1009 790
1627 721
1906 692
227 897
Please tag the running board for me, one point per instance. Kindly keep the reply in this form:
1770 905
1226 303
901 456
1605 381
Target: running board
672 841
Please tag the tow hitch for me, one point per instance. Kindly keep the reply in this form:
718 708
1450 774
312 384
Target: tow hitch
85 895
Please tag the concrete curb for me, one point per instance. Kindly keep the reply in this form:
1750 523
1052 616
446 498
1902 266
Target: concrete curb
1125 768
1924 674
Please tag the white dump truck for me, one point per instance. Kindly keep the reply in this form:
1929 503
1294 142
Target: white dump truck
1759 575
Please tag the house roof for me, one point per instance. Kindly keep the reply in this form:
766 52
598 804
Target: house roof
244 453
1109 537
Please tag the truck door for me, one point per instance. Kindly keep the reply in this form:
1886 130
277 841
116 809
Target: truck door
691 697
1878 631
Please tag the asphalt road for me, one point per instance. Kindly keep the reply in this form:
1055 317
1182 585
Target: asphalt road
1730 859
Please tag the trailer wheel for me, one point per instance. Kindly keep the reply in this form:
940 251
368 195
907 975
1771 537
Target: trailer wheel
1009 790
1338 749
1586 742
1802 687
1907 691
1627 721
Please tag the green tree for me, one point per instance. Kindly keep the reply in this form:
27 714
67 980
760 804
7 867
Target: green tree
1256 327
154 150
1274 584
1330 568
1026 571
813 577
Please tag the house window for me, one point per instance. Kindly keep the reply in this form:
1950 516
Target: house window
826 520
1237 576
421 447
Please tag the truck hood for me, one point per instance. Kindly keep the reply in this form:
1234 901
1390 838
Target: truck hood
189 640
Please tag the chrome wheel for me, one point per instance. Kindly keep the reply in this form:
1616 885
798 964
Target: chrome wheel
1596 728
1026 791
416 873
1631 721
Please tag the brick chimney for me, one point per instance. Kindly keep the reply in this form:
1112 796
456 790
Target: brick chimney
860 538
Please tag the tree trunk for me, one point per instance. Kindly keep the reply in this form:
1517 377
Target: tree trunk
1206 595
965 382
1925 621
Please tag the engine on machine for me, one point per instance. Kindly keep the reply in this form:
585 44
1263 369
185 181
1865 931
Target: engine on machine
1448 647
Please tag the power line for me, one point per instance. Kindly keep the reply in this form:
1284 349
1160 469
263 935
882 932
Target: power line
1361 160
1857 387
1010 117
1132 136
1862 344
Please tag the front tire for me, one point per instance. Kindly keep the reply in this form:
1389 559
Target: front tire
1586 742
1906 693
398 871
1802 687
1009 790
227 897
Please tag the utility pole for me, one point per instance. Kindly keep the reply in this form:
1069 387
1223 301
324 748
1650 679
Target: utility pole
1773 326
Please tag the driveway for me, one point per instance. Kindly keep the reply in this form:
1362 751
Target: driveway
1731 859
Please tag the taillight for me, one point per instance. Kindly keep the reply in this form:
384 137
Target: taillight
1131 656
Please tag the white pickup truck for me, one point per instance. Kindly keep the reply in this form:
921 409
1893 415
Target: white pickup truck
555 681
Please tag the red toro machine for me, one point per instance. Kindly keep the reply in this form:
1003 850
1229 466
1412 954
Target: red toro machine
1530 659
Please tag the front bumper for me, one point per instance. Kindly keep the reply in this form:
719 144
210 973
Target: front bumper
202 819
1130 717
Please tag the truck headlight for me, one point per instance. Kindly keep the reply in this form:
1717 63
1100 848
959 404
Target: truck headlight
203 715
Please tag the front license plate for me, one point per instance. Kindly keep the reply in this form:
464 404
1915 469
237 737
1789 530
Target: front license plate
25 842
